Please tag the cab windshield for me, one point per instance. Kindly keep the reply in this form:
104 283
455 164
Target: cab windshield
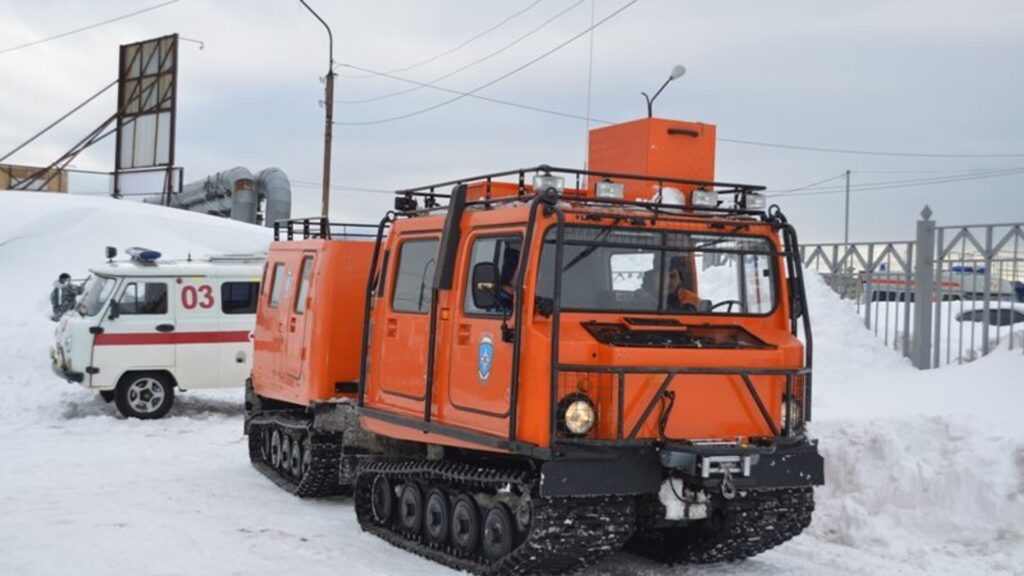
636 271
96 293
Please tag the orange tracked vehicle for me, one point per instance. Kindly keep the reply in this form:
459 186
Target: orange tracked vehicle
551 372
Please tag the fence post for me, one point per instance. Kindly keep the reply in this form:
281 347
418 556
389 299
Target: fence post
924 276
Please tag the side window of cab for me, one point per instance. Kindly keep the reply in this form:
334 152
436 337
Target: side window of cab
414 275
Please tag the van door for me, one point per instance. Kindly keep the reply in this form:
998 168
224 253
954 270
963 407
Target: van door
141 337
298 334
196 332
404 332
479 380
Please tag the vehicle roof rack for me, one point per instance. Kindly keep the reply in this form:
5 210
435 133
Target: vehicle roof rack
321 228
406 199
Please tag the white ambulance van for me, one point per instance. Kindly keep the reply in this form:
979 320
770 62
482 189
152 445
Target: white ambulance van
144 328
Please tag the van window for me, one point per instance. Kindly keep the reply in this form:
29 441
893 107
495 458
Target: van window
415 277
144 298
503 252
275 285
304 274
239 297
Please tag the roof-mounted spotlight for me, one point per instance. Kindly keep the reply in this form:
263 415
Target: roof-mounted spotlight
677 71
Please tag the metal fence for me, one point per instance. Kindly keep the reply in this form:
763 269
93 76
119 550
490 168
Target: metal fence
949 296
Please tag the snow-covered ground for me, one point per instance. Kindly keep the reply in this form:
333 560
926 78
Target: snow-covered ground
925 470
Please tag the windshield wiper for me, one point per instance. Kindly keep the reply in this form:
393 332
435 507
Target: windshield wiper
590 249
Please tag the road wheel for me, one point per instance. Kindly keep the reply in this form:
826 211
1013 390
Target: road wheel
498 535
144 395
286 453
296 463
382 499
275 448
465 525
437 517
410 508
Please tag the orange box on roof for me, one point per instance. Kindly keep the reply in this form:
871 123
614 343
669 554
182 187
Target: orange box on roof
670 148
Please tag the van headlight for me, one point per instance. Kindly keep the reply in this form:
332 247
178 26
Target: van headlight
576 415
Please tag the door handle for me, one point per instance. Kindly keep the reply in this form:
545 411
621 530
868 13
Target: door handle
463 334
391 327
165 328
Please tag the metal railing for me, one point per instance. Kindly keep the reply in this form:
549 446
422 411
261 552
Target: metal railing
951 295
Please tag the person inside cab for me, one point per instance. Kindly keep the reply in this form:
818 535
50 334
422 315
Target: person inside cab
682 285
507 274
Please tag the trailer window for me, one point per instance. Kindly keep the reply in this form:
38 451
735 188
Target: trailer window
503 252
143 298
275 285
615 270
239 297
416 262
303 291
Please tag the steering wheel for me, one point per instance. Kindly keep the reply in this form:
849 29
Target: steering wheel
728 303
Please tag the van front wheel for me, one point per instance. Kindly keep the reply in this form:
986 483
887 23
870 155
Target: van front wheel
144 395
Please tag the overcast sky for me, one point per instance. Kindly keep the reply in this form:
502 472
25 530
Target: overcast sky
916 76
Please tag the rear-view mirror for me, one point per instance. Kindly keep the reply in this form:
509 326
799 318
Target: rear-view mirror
485 286
115 310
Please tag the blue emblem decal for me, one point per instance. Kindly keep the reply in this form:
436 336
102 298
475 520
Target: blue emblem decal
485 357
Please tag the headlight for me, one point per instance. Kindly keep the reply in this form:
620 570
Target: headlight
578 415
791 409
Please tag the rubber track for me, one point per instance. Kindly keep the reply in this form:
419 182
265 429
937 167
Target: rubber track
565 534
752 524
322 480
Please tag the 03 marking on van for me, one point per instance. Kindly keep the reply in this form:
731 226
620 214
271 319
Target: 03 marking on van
192 296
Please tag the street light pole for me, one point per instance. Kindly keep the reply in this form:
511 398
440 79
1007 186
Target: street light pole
677 71
329 120
846 228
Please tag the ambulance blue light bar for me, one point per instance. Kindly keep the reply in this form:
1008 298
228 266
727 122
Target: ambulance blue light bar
143 255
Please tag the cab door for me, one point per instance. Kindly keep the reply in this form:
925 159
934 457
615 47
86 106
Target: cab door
138 333
297 337
480 375
403 329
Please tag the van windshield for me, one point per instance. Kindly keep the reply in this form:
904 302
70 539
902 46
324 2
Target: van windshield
615 270
97 291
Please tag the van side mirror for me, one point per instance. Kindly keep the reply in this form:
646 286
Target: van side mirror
115 310
485 286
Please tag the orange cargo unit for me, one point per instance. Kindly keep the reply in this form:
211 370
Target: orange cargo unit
309 327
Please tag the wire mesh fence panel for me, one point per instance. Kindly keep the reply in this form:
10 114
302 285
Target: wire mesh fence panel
959 301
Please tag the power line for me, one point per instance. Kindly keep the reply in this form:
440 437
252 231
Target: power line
866 152
467 66
344 187
494 81
89 27
777 193
451 50
486 98
897 184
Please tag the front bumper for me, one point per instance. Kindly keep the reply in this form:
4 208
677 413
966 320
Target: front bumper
791 465
57 365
